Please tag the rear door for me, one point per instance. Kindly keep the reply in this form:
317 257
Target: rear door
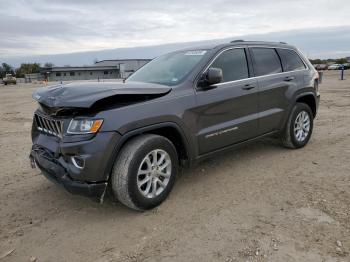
227 113
293 65
274 86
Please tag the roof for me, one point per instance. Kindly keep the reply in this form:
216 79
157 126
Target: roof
120 61
78 68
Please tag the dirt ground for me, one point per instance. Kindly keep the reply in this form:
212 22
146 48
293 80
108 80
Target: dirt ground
259 203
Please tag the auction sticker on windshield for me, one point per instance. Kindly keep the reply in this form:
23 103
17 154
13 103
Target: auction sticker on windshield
196 52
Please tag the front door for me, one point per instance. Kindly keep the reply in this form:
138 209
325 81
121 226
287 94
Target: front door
227 113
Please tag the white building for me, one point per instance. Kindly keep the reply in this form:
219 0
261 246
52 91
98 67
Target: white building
105 69
126 66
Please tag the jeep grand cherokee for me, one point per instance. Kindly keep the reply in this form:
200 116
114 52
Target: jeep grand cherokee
176 110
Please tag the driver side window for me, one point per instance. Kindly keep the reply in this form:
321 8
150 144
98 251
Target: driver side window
233 63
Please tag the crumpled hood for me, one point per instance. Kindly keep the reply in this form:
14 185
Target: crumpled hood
86 94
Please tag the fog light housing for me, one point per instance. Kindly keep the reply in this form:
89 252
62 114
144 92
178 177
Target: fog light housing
78 162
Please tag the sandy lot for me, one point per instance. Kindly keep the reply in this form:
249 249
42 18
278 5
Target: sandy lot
259 203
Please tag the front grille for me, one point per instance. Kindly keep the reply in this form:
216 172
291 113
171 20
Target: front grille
49 125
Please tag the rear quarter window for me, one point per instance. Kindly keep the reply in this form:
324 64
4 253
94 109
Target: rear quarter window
266 61
290 60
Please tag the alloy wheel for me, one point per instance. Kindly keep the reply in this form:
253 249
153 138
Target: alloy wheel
154 173
302 126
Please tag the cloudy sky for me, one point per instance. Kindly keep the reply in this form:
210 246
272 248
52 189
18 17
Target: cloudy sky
36 27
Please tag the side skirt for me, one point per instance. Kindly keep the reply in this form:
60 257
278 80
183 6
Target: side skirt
234 146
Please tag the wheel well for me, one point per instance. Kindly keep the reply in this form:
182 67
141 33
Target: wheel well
174 136
310 101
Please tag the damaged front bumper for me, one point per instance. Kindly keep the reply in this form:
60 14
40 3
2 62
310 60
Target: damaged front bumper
53 171
55 160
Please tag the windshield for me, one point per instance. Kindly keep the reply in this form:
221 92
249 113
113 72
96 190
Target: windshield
169 69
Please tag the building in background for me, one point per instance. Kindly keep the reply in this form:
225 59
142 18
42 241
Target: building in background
67 73
28 78
105 69
126 66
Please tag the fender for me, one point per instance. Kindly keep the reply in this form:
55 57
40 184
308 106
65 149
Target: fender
290 107
139 131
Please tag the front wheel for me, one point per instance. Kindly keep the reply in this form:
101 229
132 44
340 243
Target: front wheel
299 127
144 172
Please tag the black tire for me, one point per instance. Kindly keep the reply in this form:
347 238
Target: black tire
288 137
126 166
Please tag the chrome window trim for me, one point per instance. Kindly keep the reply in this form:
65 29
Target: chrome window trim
254 77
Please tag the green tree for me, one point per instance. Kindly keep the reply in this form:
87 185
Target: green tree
329 60
28 68
316 61
7 68
341 61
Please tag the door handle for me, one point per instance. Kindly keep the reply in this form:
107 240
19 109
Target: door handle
248 87
288 78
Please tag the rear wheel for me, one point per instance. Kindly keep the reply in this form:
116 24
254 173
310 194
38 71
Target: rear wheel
144 172
299 127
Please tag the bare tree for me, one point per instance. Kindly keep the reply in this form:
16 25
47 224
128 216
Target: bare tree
48 65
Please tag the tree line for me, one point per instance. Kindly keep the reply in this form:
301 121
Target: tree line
330 60
25 68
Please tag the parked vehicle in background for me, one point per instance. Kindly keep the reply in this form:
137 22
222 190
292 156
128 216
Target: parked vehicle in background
321 67
346 66
9 79
179 108
335 67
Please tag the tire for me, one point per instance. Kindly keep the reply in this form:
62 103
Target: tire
127 174
289 138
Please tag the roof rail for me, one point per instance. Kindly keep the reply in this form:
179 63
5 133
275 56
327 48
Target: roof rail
241 40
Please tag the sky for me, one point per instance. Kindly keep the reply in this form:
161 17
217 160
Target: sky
43 27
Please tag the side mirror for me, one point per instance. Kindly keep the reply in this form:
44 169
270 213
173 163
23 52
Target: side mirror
211 77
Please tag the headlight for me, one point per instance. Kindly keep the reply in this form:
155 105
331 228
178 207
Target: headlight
84 126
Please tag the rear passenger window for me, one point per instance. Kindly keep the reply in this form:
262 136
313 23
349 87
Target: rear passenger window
266 61
233 63
290 60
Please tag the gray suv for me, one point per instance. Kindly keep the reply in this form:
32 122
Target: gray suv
179 108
